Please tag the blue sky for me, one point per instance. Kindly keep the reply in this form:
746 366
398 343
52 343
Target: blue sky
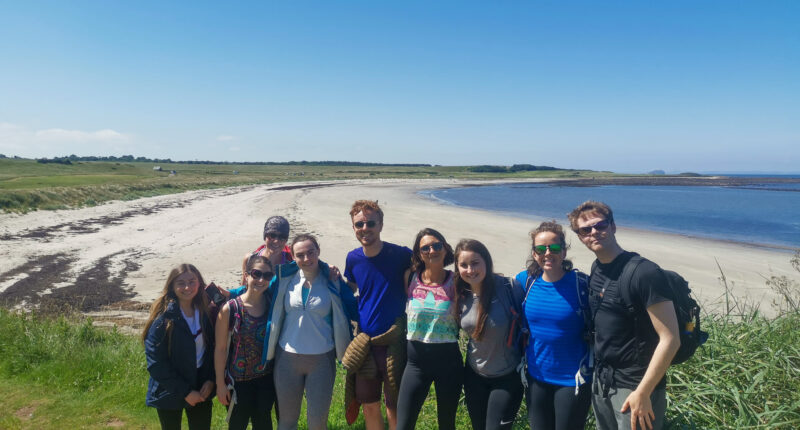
622 86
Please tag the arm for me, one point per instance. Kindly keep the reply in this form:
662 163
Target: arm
221 354
158 361
244 269
666 325
349 301
406 282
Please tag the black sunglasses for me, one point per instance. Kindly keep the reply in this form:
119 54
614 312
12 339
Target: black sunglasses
436 246
257 274
542 249
360 224
274 236
599 226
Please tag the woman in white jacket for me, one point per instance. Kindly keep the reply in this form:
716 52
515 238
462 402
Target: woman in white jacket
310 328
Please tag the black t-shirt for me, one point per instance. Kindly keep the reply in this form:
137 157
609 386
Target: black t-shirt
623 341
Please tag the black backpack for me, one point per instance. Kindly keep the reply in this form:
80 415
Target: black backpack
686 308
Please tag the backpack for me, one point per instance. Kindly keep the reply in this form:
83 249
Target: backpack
215 302
518 329
686 308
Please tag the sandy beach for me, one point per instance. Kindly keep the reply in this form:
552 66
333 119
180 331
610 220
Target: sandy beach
110 261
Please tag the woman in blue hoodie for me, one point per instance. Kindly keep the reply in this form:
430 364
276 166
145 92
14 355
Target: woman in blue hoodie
178 340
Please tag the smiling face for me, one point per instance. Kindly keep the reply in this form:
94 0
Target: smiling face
597 241
550 261
306 254
261 282
185 287
471 268
366 235
275 242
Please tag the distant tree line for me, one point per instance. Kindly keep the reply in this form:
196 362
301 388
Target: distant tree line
130 158
505 169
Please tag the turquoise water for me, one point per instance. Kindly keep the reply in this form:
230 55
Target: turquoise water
749 214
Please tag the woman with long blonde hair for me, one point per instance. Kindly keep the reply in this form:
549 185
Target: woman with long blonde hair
179 344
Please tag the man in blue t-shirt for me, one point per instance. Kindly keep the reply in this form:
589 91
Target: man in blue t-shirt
376 269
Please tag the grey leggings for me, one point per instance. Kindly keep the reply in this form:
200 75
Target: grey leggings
314 374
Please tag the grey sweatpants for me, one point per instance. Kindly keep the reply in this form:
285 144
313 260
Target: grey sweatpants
314 374
607 409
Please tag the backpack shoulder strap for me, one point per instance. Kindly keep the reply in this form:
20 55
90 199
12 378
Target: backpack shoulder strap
529 280
625 279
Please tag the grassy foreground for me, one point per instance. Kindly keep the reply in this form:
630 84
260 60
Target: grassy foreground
64 372
26 185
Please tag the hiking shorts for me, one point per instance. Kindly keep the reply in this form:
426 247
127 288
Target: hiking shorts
368 390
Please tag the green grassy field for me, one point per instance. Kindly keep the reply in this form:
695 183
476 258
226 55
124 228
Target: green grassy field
27 185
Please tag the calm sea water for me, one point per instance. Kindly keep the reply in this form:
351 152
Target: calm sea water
746 214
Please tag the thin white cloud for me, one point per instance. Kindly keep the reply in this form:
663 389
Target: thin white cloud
19 140
234 148
225 138
60 135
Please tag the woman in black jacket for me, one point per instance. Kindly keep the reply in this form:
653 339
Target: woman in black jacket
178 341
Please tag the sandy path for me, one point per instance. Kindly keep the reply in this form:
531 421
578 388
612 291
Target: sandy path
122 251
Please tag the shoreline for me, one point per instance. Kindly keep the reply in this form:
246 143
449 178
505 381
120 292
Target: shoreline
755 245
111 260
780 247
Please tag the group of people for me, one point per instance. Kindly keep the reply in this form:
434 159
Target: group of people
561 339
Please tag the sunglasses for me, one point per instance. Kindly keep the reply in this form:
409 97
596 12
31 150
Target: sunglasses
554 249
599 226
435 246
257 274
274 236
369 224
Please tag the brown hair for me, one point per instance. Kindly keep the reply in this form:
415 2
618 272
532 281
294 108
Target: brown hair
417 265
254 259
553 227
167 296
366 205
463 290
302 238
589 206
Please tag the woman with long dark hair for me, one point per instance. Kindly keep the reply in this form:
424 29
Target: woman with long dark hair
556 307
179 344
433 354
485 302
240 354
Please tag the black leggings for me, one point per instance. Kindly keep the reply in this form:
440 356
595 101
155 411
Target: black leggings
492 403
437 363
555 407
254 402
198 416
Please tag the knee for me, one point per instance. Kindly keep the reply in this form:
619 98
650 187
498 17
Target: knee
372 409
